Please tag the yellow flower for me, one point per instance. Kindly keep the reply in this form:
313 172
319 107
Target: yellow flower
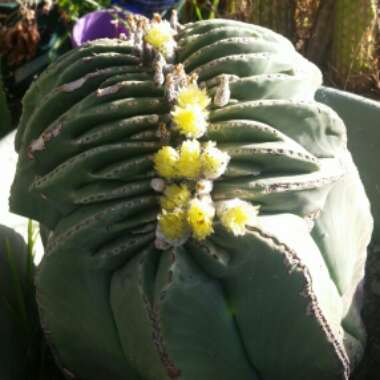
236 215
173 225
189 163
190 120
214 161
200 216
175 196
165 161
193 95
160 35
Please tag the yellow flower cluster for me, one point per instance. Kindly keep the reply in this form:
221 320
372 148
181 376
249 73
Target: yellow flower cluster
235 215
189 164
190 121
214 162
187 208
200 217
175 196
181 216
165 162
191 161
193 95
160 35
173 224
190 115
195 216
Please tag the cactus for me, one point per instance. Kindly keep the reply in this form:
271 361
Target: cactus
358 111
113 303
353 61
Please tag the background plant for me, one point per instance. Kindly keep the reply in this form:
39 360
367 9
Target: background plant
24 353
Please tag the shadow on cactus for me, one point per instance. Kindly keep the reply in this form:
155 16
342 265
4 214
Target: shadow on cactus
206 218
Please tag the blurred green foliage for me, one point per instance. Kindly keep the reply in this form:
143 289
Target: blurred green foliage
74 9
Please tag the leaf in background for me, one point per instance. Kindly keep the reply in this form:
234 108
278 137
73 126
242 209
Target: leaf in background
77 8
14 327
24 352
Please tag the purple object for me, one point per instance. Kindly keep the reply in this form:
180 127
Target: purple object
96 25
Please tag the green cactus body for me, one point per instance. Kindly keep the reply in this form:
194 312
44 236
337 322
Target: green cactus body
354 44
280 302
